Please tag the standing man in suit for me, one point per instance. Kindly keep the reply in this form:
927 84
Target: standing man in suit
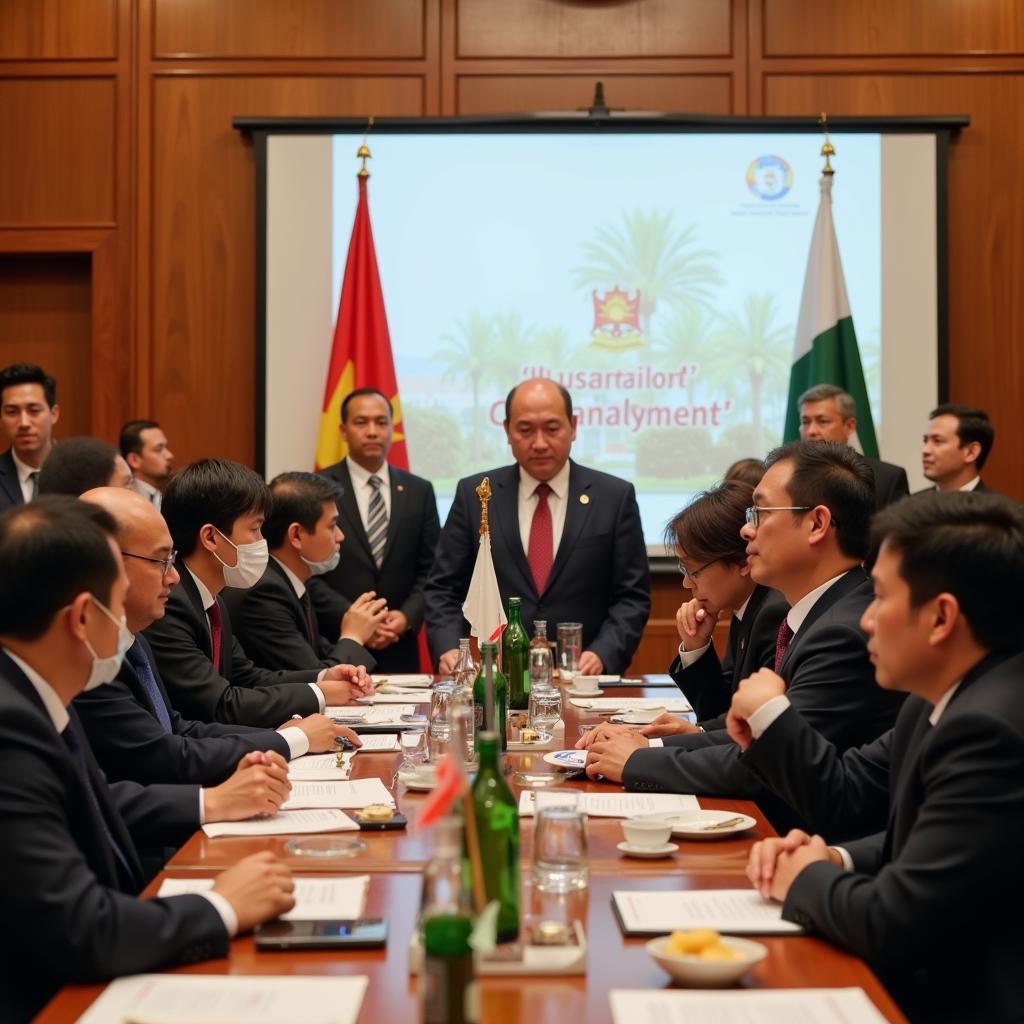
565 539
390 526
828 413
69 870
133 729
956 446
214 510
274 620
806 534
932 899
144 447
28 411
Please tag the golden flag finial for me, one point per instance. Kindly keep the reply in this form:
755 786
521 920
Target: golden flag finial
827 149
363 152
483 492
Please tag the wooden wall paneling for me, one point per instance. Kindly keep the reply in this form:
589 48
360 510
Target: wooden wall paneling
986 225
58 29
200 291
809 28
57 135
569 29
300 28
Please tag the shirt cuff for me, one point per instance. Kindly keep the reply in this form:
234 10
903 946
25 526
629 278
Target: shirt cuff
766 714
321 700
226 911
844 856
687 658
297 740
655 741
202 807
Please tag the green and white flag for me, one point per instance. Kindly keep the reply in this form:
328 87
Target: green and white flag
826 345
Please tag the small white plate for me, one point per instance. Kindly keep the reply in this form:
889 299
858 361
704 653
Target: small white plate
569 760
642 716
416 781
573 692
647 852
694 824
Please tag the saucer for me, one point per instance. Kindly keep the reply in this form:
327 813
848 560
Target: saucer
570 760
573 692
648 852
416 781
694 824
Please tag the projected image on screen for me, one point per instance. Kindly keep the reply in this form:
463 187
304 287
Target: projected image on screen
657 277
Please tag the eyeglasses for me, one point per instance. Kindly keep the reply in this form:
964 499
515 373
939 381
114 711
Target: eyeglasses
692 574
166 564
753 514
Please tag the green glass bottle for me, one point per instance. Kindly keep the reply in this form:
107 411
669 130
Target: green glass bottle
489 656
515 658
446 981
496 817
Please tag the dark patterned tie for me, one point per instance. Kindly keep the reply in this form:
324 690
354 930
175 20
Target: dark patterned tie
33 479
213 614
540 553
311 630
376 521
136 657
782 643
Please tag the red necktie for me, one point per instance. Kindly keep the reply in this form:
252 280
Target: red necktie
213 613
540 553
782 642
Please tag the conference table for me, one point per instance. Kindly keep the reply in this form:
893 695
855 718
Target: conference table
394 861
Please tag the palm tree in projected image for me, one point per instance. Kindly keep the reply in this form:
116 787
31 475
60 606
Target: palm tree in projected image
748 345
685 341
648 255
465 356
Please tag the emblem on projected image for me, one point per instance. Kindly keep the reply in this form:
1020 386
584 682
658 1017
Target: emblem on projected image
616 321
769 177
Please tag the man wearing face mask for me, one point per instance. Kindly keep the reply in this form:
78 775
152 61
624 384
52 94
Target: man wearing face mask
214 510
69 866
275 620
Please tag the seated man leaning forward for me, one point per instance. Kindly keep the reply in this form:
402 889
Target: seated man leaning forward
806 535
933 898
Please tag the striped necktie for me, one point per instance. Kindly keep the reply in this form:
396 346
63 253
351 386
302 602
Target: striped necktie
33 480
376 521
136 657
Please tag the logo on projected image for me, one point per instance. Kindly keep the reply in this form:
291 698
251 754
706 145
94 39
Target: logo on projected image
616 321
769 177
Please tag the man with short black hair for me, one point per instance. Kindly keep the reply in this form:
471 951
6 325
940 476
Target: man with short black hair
930 896
144 447
214 510
28 412
78 464
956 447
69 869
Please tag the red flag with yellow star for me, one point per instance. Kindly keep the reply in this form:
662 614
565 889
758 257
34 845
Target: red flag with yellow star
361 353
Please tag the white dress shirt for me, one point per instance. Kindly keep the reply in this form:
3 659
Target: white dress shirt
363 489
558 502
24 472
147 491
971 484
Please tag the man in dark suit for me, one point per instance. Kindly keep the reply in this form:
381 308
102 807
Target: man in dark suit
932 898
956 447
806 536
214 510
828 413
133 729
145 449
69 869
274 620
565 539
28 412
390 529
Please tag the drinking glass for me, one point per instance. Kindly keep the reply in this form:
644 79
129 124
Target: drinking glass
559 843
414 749
545 708
439 724
570 646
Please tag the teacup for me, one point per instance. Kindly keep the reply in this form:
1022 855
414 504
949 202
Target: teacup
652 832
584 684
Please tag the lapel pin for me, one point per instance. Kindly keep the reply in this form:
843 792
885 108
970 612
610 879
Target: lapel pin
401 487
584 499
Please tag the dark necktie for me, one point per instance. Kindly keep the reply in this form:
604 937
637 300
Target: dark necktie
540 552
33 479
74 744
213 614
136 657
782 643
307 608
376 521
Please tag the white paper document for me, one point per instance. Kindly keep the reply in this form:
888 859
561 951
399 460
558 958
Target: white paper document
355 793
764 1006
733 911
285 823
375 742
609 805
422 697
228 999
388 714
347 711
320 766
414 680
316 899
673 704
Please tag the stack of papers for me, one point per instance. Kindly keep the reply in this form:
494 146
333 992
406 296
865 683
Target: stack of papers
316 899
366 715
228 999
402 695
609 805
357 793
733 911
411 680
611 704
311 767
285 823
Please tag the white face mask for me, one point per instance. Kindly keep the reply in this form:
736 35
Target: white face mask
318 568
248 570
105 669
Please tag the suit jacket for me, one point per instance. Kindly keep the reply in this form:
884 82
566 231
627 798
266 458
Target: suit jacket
600 575
891 482
413 529
129 742
708 683
10 485
935 902
830 681
80 918
235 691
271 625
